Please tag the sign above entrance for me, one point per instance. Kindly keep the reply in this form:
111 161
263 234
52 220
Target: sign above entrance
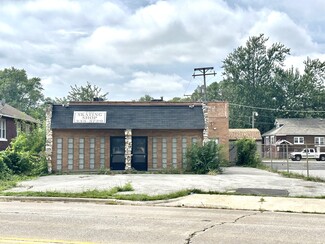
89 117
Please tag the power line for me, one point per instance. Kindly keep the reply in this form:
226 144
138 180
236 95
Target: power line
275 109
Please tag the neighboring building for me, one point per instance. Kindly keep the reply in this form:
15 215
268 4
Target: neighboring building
293 135
237 134
89 136
11 122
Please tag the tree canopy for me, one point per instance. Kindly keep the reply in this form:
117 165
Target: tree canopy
21 92
255 80
84 93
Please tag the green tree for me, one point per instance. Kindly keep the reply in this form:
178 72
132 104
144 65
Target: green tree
249 80
145 98
21 92
83 93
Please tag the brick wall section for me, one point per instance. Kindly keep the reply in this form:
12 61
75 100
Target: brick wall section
97 134
218 124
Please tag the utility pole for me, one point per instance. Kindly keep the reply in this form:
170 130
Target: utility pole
204 72
253 118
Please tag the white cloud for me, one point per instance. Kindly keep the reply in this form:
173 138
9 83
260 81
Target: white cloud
280 28
155 84
131 48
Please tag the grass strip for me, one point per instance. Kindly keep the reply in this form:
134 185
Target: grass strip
291 174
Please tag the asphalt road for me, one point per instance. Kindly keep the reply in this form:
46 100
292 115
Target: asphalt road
55 222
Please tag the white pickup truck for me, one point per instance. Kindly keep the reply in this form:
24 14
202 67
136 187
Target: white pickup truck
315 153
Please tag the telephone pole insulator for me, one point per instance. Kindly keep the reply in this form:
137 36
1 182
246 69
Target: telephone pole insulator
204 72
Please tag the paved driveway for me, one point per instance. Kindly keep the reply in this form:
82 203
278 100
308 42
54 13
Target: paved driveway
231 179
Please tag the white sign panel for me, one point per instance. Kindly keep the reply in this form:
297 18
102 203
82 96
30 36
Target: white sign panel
89 117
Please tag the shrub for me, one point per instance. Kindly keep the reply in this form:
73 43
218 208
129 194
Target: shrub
247 153
4 170
205 158
17 162
26 153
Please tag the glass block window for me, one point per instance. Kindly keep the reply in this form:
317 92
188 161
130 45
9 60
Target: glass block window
154 152
164 152
81 153
3 129
70 153
194 140
102 152
92 153
59 146
174 152
184 149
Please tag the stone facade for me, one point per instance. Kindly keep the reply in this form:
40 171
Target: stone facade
49 138
128 149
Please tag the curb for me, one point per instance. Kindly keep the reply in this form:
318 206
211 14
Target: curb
230 202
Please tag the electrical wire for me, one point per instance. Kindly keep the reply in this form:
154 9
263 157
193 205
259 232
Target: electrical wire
276 109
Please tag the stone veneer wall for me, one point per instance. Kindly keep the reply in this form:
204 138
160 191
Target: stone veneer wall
205 109
49 138
128 148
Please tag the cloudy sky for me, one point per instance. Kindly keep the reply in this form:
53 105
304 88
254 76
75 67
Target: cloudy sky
130 48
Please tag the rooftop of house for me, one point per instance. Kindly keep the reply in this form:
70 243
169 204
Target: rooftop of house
298 126
236 134
131 115
10 112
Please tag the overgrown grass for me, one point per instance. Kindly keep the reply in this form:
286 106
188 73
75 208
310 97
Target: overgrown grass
12 181
103 194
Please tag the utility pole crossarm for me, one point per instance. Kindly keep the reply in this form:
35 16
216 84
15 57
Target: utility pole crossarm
204 74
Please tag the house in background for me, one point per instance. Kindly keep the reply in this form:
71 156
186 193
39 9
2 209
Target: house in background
147 136
294 134
11 122
237 134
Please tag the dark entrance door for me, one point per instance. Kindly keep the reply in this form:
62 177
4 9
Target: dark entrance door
117 153
139 153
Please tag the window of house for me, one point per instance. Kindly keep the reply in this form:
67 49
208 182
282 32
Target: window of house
267 140
298 140
3 130
272 139
59 147
70 153
319 140
154 152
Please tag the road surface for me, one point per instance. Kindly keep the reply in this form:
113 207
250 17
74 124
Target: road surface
57 222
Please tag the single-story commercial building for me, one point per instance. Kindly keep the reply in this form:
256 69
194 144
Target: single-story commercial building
90 136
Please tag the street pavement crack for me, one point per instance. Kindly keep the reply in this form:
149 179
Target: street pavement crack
195 233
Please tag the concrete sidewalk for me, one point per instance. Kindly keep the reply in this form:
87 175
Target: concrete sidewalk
277 204
255 203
